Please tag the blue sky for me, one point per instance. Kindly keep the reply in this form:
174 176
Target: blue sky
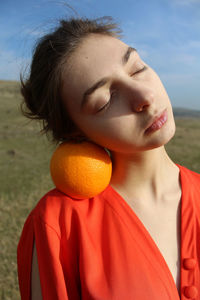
166 34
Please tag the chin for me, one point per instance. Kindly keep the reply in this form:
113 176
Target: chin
162 138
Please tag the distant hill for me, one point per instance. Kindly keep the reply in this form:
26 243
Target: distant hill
180 112
13 87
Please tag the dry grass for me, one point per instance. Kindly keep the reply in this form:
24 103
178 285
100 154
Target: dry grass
24 177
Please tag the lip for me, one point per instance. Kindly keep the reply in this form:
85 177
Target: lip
157 122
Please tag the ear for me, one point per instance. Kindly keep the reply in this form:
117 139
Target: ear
76 135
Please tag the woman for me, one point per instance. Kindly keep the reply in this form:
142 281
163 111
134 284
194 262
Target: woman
138 238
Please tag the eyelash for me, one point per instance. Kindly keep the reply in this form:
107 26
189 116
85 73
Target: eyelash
141 70
109 101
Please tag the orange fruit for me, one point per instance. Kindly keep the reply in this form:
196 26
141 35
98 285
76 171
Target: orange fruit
80 170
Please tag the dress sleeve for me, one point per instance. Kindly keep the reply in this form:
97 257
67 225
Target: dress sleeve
54 283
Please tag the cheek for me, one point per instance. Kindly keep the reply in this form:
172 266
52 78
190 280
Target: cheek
91 126
113 129
159 85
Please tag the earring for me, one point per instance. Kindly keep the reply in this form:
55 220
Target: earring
80 169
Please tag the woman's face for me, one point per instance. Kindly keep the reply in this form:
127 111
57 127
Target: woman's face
113 96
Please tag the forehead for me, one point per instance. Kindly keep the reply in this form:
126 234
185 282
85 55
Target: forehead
97 56
98 50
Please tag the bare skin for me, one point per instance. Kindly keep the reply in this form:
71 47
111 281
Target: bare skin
116 116
155 198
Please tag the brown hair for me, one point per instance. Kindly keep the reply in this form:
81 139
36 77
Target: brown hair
41 90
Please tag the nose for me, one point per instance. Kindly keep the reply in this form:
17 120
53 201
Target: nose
141 97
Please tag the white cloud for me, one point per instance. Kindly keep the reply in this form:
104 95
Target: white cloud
193 44
179 79
185 2
184 58
11 66
33 32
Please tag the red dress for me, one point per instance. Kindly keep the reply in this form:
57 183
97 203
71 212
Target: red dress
98 249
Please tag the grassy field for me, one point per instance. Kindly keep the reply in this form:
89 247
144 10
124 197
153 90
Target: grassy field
24 177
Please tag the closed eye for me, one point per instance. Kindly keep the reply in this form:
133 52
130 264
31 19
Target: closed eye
103 108
140 70
106 106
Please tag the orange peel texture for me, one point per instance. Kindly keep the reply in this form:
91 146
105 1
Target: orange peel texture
80 170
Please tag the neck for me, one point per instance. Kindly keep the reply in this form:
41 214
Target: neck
146 175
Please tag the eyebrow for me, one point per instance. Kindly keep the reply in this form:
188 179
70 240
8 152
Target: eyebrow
104 80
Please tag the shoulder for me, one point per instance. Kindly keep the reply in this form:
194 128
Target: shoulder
191 175
190 179
56 208
53 202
